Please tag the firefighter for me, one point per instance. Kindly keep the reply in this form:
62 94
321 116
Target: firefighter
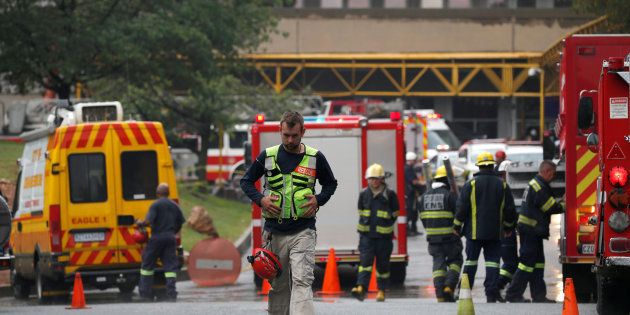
509 253
437 210
413 189
499 158
289 204
538 205
485 213
166 219
378 210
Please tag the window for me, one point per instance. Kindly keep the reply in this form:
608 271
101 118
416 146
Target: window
88 180
139 174
237 139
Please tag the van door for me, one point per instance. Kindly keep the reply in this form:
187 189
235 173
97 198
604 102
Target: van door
140 149
89 194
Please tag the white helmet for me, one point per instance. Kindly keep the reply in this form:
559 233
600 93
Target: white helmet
374 171
504 166
411 156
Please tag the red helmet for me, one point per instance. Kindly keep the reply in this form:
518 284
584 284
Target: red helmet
265 263
140 236
500 155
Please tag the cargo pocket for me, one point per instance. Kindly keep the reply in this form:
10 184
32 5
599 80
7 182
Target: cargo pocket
278 203
299 199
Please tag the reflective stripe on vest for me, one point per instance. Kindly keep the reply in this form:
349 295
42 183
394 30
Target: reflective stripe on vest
302 177
439 231
527 221
436 215
548 204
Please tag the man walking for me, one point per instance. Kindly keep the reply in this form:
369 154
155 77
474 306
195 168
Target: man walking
289 205
166 219
413 188
437 210
539 204
485 213
378 209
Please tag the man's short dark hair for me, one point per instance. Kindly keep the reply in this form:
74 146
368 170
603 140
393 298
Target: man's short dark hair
545 165
488 167
292 118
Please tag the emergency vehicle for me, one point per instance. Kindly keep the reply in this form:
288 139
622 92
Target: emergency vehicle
580 69
226 152
350 144
83 183
610 140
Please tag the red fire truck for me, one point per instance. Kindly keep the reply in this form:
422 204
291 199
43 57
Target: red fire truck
607 115
580 68
350 144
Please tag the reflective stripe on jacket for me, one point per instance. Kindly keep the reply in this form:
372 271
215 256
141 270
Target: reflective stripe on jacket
538 205
437 210
377 214
485 207
292 187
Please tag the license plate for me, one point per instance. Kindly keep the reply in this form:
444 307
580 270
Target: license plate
89 237
101 279
588 248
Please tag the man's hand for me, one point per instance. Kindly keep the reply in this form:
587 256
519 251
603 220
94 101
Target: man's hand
311 205
507 233
456 232
267 204
141 223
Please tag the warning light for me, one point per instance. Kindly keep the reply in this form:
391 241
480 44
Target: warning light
618 176
260 118
394 116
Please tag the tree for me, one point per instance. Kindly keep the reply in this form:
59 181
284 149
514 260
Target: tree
617 11
171 60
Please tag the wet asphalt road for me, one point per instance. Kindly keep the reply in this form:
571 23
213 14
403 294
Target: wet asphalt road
416 297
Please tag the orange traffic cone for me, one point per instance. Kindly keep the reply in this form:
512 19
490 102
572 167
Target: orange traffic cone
78 298
331 276
266 286
373 287
569 306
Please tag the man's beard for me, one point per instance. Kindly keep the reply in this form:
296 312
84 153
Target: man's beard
291 147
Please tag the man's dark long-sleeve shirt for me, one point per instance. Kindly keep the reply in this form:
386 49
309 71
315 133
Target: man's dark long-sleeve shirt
165 216
287 163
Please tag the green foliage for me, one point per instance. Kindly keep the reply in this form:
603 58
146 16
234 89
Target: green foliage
618 12
157 43
11 151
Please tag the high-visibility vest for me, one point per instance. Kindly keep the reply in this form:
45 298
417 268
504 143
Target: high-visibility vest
291 188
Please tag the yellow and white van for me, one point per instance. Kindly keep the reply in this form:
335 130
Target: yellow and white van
82 185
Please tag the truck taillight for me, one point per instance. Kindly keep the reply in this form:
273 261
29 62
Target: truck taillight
619 245
54 222
618 176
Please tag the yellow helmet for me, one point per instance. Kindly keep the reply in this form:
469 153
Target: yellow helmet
375 170
485 158
440 172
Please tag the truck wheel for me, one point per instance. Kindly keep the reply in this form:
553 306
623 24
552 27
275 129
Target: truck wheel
47 289
398 273
21 287
611 296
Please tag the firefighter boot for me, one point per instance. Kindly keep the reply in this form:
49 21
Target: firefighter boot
358 292
448 294
380 296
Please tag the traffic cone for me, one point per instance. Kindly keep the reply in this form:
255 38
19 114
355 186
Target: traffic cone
78 298
465 303
569 307
373 287
331 276
266 286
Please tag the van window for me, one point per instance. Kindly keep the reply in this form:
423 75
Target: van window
88 181
237 139
139 174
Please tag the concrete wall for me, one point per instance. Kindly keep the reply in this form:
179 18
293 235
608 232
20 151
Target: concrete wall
400 31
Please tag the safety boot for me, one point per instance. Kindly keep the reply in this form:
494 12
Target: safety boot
358 292
380 296
448 294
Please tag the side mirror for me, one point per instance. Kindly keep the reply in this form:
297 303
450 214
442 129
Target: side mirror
592 141
585 113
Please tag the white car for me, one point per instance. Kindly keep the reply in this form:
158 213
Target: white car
469 151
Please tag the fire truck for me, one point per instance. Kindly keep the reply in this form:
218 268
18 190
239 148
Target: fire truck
350 144
580 68
605 113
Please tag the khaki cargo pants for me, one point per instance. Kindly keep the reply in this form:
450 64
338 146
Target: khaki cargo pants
291 292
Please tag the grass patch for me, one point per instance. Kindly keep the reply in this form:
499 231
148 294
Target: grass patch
230 218
11 151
